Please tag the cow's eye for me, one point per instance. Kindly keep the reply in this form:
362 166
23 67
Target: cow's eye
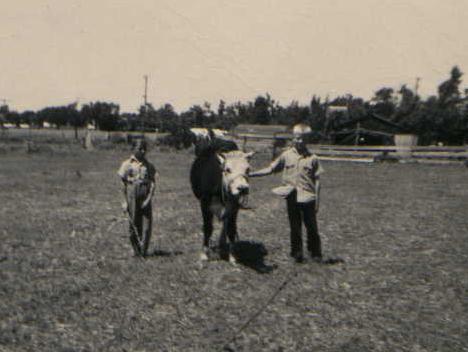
228 170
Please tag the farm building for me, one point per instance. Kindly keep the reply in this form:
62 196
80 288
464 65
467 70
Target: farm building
370 129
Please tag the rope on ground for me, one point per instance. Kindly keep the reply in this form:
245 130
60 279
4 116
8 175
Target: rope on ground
289 277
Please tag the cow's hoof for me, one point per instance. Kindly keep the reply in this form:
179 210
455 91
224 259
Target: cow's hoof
232 259
203 257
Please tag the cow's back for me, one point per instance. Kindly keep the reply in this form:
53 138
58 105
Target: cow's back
205 148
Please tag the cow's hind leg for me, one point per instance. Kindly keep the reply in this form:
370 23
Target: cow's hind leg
233 237
207 227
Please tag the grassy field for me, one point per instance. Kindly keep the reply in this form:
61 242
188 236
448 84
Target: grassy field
68 281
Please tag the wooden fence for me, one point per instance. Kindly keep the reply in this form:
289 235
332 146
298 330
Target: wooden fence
69 134
266 143
369 154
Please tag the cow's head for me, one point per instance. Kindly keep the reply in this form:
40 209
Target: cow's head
235 166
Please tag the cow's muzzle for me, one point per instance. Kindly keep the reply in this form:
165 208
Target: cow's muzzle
238 189
243 196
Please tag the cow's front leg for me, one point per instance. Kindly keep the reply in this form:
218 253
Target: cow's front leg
223 248
231 229
207 227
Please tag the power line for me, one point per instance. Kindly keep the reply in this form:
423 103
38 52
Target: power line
145 103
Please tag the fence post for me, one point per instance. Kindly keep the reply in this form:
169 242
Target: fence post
89 141
404 145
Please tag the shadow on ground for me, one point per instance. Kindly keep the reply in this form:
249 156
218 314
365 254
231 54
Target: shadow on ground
252 255
163 253
332 260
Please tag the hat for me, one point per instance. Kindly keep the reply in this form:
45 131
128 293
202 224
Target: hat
301 129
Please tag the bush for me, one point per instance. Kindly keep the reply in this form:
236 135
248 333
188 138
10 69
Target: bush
180 138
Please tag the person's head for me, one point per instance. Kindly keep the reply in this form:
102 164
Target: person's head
300 131
139 149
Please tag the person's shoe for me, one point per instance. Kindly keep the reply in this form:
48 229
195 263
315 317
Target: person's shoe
299 259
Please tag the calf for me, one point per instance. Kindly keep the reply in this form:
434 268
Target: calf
220 182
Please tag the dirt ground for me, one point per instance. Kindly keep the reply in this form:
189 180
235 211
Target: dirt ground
68 280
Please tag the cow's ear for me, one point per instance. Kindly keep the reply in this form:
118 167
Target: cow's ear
249 155
221 158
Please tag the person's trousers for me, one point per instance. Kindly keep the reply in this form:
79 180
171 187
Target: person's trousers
298 213
140 220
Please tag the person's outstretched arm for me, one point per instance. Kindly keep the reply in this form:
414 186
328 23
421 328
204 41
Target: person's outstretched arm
275 166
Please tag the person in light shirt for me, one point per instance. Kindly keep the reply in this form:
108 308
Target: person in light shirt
138 181
301 172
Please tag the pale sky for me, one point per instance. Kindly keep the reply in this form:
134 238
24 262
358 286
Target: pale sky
54 52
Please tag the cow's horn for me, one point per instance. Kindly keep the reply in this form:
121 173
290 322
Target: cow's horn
221 158
249 155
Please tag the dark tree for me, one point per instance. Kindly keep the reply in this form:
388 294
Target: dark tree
104 115
28 117
384 102
13 117
198 116
59 115
261 111
449 92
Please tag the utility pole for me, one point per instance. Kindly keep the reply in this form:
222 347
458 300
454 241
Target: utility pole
416 85
145 103
145 96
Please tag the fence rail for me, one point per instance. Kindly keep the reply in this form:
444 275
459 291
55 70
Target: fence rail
264 142
69 134
422 154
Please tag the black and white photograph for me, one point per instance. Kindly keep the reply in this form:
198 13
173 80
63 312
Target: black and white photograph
234 176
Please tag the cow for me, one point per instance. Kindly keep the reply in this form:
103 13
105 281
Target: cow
219 180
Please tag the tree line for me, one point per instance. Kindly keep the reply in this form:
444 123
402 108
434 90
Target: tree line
439 118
